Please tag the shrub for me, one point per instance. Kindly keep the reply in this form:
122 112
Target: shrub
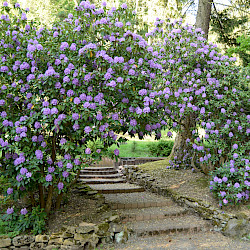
66 92
230 184
161 148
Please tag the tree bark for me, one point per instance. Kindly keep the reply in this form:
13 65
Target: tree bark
41 191
181 151
49 200
203 16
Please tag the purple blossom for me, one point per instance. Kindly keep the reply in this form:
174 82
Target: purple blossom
224 179
64 45
28 175
24 211
116 152
10 191
75 116
133 122
69 165
77 162
99 117
67 157
48 177
60 185
10 210
225 201
87 151
37 125
65 174
23 171
34 138
87 129
70 93
46 111
77 100
236 185
119 24
223 111
62 141
39 154
235 155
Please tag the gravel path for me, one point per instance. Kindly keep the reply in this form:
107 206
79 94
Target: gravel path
202 240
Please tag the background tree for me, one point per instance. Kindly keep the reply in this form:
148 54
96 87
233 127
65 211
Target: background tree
203 15
232 28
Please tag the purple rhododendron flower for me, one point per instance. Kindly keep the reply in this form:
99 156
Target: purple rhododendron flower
67 157
46 111
37 125
75 116
24 211
236 185
87 151
133 122
23 171
60 185
39 154
65 174
10 210
116 152
62 141
48 177
10 191
87 129
69 165
28 175
51 169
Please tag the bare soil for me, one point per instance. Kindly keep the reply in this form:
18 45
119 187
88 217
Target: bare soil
78 207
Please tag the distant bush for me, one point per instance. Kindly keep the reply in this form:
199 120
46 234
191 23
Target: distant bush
162 148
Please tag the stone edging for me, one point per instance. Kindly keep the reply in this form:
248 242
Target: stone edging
229 224
84 236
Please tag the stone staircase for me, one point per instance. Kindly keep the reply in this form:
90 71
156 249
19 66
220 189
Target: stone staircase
144 213
101 175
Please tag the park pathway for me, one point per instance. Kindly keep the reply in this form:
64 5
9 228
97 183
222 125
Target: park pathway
156 222
145 213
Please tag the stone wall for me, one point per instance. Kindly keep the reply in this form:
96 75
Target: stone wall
234 225
84 236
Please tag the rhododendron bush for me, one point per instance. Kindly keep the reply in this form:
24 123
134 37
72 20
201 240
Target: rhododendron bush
204 89
66 92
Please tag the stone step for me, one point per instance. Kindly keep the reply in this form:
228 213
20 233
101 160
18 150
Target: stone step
139 205
151 213
106 172
111 176
116 188
101 181
187 223
136 200
99 168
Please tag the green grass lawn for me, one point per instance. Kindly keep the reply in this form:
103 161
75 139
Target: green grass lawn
135 149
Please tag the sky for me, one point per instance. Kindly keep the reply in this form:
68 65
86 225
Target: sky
191 14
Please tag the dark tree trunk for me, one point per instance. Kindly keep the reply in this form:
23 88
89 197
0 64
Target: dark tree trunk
203 16
181 151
